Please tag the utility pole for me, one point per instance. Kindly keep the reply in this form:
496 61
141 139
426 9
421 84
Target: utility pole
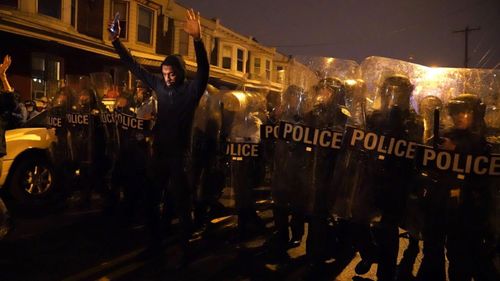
466 31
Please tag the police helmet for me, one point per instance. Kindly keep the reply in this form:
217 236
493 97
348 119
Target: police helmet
396 90
465 103
334 86
147 92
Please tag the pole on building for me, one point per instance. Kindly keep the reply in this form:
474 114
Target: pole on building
466 32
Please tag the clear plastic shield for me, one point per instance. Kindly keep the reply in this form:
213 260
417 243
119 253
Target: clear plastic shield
208 169
383 111
289 180
207 117
269 132
102 82
133 116
356 102
461 201
59 107
81 123
312 123
243 114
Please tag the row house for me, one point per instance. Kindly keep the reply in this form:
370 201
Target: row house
50 39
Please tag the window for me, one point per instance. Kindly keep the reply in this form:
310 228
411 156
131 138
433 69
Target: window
280 70
214 55
183 42
145 26
51 8
73 12
247 64
45 73
9 3
240 60
256 66
122 8
226 57
268 69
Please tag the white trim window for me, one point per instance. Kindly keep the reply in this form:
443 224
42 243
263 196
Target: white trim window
73 13
280 74
183 42
227 54
240 60
268 69
121 7
257 66
45 73
51 8
10 3
145 18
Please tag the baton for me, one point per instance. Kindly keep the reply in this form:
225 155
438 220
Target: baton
435 129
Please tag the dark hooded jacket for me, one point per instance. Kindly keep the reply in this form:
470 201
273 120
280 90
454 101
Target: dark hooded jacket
176 104
7 104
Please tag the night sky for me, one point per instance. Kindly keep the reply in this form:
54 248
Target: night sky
420 31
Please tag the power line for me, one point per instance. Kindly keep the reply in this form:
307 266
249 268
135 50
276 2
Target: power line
466 32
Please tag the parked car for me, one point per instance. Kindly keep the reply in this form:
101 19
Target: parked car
27 173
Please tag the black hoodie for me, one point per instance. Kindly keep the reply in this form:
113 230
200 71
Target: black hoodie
7 105
176 104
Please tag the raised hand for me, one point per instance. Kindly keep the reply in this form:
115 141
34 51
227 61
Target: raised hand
117 30
5 65
192 25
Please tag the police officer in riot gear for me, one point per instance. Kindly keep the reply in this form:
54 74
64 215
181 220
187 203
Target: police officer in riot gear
207 174
126 164
392 176
328 112
245 164
351 195
146 106
286 178
414 211
458 210
88 138
61 150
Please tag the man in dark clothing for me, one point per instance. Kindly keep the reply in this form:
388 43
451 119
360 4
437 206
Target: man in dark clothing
7 105
177 101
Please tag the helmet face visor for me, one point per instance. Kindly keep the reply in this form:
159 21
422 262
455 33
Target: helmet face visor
396 96
463 120
294 102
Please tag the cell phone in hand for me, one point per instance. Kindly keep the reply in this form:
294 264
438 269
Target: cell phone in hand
114 25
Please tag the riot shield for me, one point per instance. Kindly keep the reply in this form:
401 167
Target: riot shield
208 170
134 119
58 107
290 181
269 133
387 111
325 120
88 139
102 82
81 121
104 122
243 114
461 199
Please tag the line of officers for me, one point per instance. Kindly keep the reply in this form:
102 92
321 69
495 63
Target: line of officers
350 199
355 200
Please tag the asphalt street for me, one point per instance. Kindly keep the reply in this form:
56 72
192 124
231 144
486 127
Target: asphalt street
84 244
